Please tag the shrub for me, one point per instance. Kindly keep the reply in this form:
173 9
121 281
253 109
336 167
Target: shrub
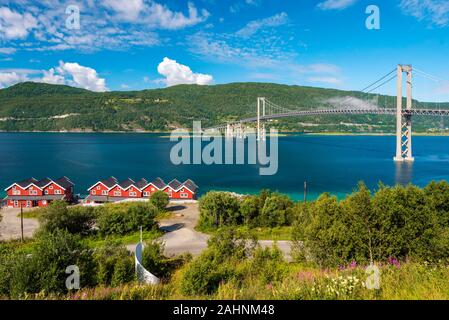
126 217
218 263
399 222
115 265
277 211
160 200
76 220
218 209
43 270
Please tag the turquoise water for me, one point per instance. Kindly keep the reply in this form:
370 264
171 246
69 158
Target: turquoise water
329 163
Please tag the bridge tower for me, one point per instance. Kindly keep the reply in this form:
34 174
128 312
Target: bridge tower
404 120
261 106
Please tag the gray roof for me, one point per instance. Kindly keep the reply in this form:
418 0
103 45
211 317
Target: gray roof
64 182
190 185
126 183
175 184
158 182
109 182
141 183
42 183
27 182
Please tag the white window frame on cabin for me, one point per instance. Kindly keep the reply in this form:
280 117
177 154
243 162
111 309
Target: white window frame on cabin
57 191
104 192
133 194
117 193
146 193
184 195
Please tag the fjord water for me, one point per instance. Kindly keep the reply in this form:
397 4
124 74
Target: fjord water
329 163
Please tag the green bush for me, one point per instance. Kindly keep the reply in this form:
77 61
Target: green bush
400 222
115 265
218 263
160 200
218 209
277 211
76 220
43 269
120 219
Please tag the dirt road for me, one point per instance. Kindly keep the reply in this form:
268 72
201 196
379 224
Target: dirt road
181 236
10 225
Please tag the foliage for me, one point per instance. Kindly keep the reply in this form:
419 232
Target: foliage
123 218
264 210
43 270
160 200
115 265
218 209
217 263
399 222
76 220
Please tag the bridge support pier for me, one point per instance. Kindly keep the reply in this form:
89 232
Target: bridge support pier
404 118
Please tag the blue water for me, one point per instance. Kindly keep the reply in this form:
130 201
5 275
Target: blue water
329 163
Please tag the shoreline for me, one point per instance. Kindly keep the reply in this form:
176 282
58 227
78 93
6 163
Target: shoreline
166 134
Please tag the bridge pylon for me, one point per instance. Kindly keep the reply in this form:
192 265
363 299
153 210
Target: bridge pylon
404 119
261 108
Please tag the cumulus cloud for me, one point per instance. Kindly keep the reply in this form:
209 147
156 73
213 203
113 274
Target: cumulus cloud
127 10
335 4
254 26
434 11
14 25
176 73
72 74
10 78
80 76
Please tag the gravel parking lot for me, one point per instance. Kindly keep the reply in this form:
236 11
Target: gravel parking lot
10 225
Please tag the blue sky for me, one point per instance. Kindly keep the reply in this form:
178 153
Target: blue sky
140 44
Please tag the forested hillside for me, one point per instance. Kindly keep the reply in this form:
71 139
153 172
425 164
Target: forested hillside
44 107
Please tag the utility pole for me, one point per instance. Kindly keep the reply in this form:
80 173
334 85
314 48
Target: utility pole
21 220
305 192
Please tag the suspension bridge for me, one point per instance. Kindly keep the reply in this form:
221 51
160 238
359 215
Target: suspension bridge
267 110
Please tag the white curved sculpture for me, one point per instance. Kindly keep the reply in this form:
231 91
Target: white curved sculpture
143 275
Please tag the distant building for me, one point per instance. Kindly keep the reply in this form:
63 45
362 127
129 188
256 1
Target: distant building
111 190
32 193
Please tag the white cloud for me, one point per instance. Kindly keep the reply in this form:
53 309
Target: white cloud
161 16
51 77
7 50
72 74
83 77
434 11
325 80
352 102
335 4
109 24
10 78
127 10
254 26
176 73
14 25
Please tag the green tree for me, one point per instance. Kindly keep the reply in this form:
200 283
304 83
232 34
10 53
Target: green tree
277 211
160 200
219 209
76 220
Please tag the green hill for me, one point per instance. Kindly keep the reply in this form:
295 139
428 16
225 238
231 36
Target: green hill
44 107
